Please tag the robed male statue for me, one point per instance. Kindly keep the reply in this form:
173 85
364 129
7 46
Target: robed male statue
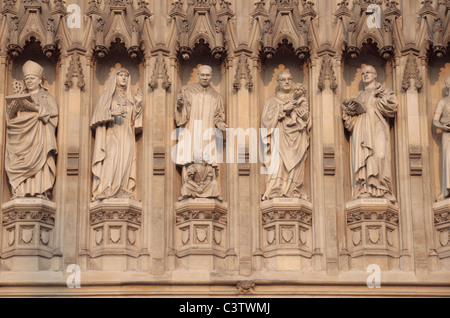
199 109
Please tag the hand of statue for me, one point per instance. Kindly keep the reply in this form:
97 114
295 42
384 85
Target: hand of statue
351 108
30 105
289 106
139 96
119 112
222 126
378 91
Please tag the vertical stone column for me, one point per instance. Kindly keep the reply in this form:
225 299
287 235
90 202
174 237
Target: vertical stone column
326 81
412 83
160 129
402 170
242 104
70 176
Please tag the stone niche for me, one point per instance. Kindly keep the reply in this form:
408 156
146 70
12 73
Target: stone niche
28 234
287 235
441 211
372 232
201 233
115 235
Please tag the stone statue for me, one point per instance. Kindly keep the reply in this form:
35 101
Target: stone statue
365 118
441 120
117 118
32 118
287 111
199 105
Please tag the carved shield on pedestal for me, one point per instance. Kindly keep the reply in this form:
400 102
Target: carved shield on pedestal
131 236
390 237
45 236
27 234
115 234
99 235
303 236
287 233
356 236
270 236
374 234
217 236
443 237
11 236
202 234
185 236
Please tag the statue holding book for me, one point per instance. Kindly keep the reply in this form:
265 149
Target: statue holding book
32 118
365 117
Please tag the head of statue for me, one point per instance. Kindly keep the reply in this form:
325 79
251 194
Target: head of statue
205 74
447 83
300 89
284 80
32 75
368 74
122 77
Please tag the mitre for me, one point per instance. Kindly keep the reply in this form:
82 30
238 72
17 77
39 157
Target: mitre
32 68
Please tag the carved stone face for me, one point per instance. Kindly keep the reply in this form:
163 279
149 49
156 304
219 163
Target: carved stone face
32 82
285 81
205 76
368 75
122 79
447 82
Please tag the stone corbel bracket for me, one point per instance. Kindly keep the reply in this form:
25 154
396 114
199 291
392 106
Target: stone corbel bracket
201 227
202 20
287 227
372 228
441 211
284 22
28 226
370 21
115 227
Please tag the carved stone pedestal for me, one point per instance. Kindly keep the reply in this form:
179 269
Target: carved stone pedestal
372 233
115 235
287 235
442 224
28 234
201 233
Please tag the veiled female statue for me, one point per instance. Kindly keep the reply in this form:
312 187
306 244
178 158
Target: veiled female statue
289 113
116 120
32 118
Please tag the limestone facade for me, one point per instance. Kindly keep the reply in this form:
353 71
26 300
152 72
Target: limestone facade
153 244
